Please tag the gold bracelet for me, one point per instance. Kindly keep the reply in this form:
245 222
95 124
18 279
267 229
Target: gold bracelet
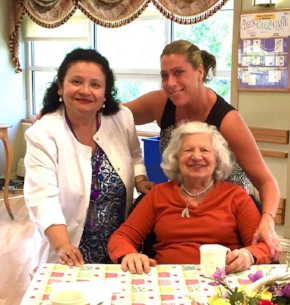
269 214
139 180
250 254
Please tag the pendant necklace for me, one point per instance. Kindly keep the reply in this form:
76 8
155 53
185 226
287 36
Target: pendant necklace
185 211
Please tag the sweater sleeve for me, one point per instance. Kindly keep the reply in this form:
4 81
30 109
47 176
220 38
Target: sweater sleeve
248 218
128 237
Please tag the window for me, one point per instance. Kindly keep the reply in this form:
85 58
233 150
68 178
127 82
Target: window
45 49
133 50
215 36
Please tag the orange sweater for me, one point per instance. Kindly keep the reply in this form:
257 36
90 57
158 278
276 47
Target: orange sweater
227 216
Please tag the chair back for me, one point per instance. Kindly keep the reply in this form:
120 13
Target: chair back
146 246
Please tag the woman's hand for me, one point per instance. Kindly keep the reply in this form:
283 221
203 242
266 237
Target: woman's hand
137 263
59 239
144 186
70 255
266 232
37 117
238 260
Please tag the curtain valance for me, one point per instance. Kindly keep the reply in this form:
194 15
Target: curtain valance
107 13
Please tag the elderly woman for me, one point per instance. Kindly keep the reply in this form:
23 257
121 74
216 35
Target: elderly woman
195 207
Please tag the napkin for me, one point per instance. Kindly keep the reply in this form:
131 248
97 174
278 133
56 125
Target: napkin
95 292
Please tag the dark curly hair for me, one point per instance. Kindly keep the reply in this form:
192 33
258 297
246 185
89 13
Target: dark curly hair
51 98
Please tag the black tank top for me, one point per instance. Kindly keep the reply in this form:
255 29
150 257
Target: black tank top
215 117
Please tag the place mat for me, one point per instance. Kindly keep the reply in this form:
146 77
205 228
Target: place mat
164 285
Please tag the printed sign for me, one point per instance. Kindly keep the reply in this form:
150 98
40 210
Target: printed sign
264 51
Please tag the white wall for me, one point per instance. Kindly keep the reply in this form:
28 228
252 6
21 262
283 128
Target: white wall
12 93
265 109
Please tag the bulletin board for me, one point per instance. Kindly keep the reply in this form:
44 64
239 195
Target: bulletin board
263 59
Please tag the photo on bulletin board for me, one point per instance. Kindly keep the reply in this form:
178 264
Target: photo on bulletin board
263 60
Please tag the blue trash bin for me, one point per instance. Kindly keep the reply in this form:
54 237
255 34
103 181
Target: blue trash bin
152 160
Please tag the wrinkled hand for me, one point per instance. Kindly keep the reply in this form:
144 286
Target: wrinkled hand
237 260
70 255
144 186
266 232
137 263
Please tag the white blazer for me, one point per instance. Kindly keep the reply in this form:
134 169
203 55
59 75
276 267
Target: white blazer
59 173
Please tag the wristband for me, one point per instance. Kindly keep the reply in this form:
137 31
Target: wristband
140 179
269 214
250 254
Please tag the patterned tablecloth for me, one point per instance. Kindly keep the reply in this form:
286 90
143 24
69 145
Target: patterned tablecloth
164 285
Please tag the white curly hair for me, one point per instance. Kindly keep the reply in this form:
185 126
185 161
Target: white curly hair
225 158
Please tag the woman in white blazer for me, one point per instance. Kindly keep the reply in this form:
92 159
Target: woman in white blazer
83 159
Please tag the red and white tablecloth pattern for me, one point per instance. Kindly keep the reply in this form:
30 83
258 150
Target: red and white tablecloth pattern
164 285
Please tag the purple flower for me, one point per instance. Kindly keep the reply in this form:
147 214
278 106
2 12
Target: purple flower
219 275
276 289
286 291
255 276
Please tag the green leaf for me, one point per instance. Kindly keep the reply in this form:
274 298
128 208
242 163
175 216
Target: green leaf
253 301
280 301
236 297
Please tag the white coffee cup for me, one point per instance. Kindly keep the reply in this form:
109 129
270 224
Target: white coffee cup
67 297
212 256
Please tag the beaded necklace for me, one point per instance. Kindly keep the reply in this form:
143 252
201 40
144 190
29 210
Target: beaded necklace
185 211
198 194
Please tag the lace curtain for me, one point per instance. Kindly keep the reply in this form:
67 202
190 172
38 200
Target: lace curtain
107 13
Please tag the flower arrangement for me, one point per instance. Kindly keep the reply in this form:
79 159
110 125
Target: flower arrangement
264 290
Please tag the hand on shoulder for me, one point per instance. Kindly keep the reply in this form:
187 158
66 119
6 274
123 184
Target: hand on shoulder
37 117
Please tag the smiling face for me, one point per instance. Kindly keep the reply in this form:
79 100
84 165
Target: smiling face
196 159
180 80
83 88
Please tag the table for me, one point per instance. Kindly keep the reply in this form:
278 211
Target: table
164 285
9 158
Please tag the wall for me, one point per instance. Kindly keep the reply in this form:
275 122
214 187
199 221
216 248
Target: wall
12 94
265 109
